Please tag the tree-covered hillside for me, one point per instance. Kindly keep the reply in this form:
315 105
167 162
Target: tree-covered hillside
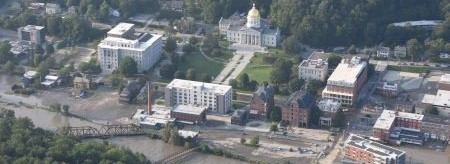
324 23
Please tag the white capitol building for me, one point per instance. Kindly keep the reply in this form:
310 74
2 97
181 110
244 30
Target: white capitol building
252 31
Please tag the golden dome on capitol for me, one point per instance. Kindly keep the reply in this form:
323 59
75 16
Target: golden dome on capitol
253 13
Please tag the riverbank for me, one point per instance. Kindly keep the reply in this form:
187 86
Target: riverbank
152 149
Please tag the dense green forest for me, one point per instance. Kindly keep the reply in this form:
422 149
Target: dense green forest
324 23
319 23
22 143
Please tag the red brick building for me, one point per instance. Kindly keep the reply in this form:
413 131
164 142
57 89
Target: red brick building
389 120
296 109
362 150
262 101
444 83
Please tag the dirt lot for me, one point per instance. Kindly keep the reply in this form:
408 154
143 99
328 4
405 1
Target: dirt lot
273 147
75 55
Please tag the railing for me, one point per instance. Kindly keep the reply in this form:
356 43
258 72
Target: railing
105 131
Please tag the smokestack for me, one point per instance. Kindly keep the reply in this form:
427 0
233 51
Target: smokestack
149 101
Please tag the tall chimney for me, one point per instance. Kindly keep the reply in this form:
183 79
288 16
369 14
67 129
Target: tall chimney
149 101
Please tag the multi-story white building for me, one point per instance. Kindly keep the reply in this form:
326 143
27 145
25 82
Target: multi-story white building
346 81
122 41
217 98
314 68
255 32
34 34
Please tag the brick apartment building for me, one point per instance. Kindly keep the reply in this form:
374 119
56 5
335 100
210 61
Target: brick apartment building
296 109
346 81
388 89
444 82
361 150
389 120
262 101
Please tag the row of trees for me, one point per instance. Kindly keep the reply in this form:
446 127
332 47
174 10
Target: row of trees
127 8
212 10
22 142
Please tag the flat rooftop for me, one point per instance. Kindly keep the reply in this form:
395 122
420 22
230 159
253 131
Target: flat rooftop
196 85
445 79
317 64
328 105
387 118
436 119
373 147
347 72
189 109
121 28
32 27
319 55
140 45
442 98
418 23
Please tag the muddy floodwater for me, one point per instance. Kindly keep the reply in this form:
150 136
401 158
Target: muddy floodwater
152 149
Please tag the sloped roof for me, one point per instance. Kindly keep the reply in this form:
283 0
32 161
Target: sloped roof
265 93
304 99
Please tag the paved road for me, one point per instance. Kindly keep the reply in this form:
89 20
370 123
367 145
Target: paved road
406 63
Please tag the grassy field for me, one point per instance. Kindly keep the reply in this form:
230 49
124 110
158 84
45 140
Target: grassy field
239 104
201 65
257 69
279 53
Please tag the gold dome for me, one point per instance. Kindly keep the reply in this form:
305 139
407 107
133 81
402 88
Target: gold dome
253 13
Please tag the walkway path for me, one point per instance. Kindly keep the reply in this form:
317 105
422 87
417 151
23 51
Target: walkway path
237 64
334 153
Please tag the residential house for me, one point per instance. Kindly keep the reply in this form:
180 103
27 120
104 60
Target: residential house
400 51
383 52
52 8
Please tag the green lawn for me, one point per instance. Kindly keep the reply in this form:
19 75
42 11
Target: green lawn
239 104
201 65
279 53
257 69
